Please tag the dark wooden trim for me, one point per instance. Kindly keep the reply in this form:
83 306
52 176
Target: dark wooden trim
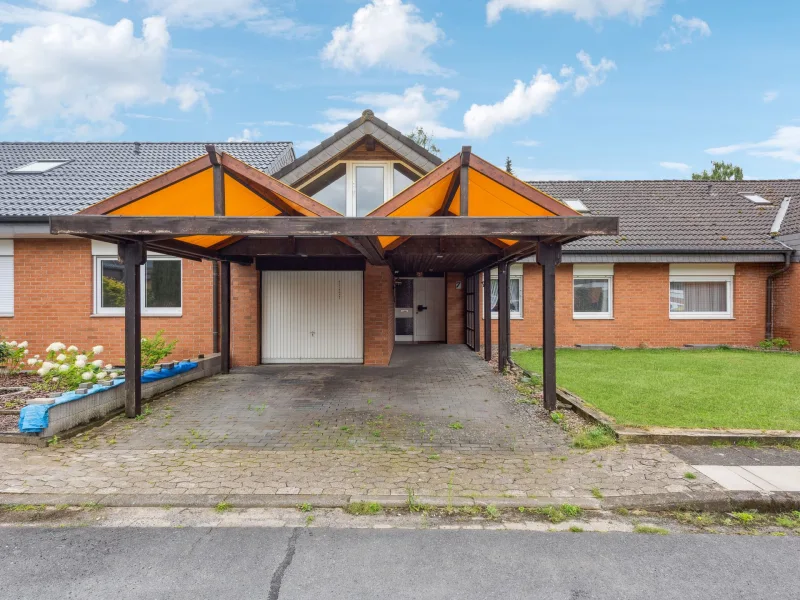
504 227
369 247
133 256
266 195
520 187
148 187
466 152
503 317
289 246
310 263
276 186
212 154
225 315
418 187
487 315
396 243
549 257
455 179
369 142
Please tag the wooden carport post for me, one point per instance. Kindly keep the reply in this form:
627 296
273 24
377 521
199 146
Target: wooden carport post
487 314
503 317
133 255
548 255
225 313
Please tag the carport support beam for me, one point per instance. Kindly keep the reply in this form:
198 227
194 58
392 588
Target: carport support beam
133 255
503 317
225 314
549 257
487 315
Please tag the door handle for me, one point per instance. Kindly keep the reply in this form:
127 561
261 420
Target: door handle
420 308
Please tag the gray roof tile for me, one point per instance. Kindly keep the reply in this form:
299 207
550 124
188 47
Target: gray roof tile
99 170
684 215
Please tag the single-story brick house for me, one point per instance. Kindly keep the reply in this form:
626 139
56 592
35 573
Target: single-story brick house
695 262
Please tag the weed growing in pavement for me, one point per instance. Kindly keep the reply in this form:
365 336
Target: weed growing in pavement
749 443
597 493
745 518
689 475
720 444
412 502
305 507
456 425
363 508
576 529
223 507
650 529
598 436
491 511
557 417
309 520
91 506
53 441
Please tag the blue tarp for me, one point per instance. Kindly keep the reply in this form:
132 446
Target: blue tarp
35 418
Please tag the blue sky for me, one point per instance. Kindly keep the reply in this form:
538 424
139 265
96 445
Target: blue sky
569 89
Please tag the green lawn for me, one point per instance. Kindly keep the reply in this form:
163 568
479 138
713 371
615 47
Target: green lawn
683 388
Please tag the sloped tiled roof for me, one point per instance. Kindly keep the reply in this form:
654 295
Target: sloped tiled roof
99 170
682 215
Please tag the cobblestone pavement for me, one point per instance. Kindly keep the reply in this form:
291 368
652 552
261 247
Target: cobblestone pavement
438 420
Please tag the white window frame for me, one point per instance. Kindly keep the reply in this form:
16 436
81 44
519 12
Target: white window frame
594 271
350 179
7 257
101 311
515 271
704 273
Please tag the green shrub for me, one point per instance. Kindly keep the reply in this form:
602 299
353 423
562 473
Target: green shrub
598 436
156 349
766 344
780 343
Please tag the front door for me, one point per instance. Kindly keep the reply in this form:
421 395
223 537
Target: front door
420 310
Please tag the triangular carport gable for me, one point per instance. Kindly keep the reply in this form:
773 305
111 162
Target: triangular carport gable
491 192
188 191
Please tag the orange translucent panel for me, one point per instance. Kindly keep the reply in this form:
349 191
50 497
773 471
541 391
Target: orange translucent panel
190 197
241 202
206 241
488 198
426 204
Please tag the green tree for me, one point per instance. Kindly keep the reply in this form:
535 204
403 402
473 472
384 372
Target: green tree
421 137
722 171
509 169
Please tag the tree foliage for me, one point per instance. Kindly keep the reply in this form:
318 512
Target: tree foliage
509 168
421 137
722 171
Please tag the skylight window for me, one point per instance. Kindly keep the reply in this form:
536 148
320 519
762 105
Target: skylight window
577 205
39 166
756 199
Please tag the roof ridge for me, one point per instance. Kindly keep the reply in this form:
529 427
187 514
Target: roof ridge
8 143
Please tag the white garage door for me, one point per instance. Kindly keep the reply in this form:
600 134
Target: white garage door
312 317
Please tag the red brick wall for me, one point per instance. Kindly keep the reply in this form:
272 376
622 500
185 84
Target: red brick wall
641 305
787 305
378 315
455 308
245 316
53 301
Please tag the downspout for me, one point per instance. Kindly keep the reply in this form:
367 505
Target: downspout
787 254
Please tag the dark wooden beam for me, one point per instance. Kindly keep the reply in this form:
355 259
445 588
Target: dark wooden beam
503 317
369 142
549 257
266 195
503 227
133 255
466 152
369 248
469 245
225 315
455 179
212 155
277 187
419 186
288 246
487 315
310 263
476 299
148 187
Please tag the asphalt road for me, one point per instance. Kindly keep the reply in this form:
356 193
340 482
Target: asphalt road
332 564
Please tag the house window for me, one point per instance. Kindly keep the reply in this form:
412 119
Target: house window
356 188
593 291
6 278
701 291
161 279
514 291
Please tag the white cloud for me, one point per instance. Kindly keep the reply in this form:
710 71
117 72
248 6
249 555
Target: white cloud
283 27
783 145
586 10
675 166
524 101
278 123
65 5
769 96
404 111
527 143
683 31
566 71
594 74
91 70
306 145
247 135
386 33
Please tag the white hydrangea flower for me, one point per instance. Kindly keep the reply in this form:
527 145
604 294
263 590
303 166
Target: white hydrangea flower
98 363
40 372
80 364
87 376
32 361
101 375
72 349
48 365
109 366
45 369
97 349
55 379
61 357
113 375
12 344
56 347
36 356
63 368
23 344
82 357
25 352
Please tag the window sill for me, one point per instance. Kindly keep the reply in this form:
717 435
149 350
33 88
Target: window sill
144 316
592 317
6 315
700 317
513 317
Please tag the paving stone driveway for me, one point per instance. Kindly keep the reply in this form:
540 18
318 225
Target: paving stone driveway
438 420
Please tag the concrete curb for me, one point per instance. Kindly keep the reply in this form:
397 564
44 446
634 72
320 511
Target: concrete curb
708 501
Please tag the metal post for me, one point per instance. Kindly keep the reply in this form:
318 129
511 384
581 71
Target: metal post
487 315
549 256
225 310
476 309
503 316
133 256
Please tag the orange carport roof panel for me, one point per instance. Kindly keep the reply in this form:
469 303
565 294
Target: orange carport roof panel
190 197
425 204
